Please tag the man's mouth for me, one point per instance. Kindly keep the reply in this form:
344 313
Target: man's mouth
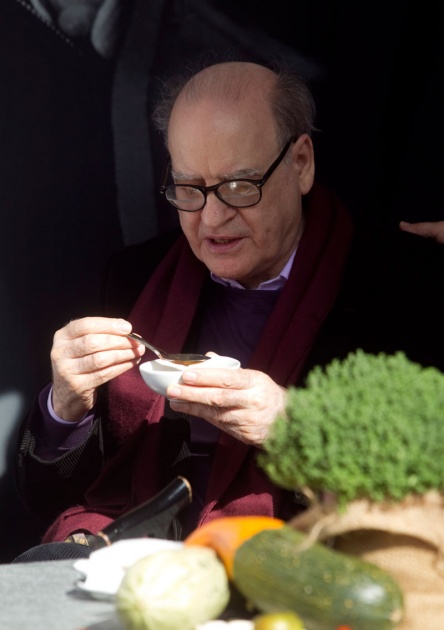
223 245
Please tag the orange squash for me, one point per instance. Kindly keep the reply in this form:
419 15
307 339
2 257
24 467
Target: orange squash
225 535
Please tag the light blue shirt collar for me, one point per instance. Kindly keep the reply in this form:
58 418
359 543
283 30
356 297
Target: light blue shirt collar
274 284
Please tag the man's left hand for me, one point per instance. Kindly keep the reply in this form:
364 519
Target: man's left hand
243 403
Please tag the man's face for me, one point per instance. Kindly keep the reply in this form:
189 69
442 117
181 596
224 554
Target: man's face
211 142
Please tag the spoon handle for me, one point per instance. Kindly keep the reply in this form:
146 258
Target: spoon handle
136 337
183 359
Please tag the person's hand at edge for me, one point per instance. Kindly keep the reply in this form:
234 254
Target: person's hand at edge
426 229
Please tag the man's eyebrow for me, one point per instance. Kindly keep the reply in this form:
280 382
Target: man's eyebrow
182 176
244 173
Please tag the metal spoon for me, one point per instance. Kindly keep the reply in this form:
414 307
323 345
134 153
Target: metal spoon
182 358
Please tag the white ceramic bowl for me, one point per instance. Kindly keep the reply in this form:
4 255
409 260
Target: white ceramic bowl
159 374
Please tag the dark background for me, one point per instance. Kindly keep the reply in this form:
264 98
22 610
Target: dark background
80 164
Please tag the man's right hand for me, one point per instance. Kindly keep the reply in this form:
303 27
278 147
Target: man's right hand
85 354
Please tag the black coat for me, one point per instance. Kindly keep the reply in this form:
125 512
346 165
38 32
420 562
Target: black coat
391 300
392 297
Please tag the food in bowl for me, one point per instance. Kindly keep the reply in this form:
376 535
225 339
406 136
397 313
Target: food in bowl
159 374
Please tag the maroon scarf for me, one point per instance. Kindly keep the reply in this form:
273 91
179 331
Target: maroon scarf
164 314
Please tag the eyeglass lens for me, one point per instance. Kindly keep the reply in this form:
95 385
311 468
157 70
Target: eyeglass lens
237 193
240 193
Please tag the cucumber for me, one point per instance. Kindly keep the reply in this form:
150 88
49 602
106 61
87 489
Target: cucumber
326 588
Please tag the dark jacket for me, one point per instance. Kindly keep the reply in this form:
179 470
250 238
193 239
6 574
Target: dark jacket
391 300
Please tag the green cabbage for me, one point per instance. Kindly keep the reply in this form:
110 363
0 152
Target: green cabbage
173 590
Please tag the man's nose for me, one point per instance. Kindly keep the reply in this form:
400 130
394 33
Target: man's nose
216 212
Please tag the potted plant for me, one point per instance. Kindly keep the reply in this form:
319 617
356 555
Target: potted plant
365 441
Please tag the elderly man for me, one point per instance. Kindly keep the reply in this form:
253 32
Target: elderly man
258 273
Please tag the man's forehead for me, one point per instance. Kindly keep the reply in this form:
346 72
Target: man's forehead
213 120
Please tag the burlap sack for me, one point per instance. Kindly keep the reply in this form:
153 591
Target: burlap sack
405 539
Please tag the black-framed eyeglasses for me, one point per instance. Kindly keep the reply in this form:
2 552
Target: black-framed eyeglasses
239 193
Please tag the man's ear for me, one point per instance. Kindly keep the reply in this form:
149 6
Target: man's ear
302 154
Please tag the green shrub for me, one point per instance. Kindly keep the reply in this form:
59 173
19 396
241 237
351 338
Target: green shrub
369 426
